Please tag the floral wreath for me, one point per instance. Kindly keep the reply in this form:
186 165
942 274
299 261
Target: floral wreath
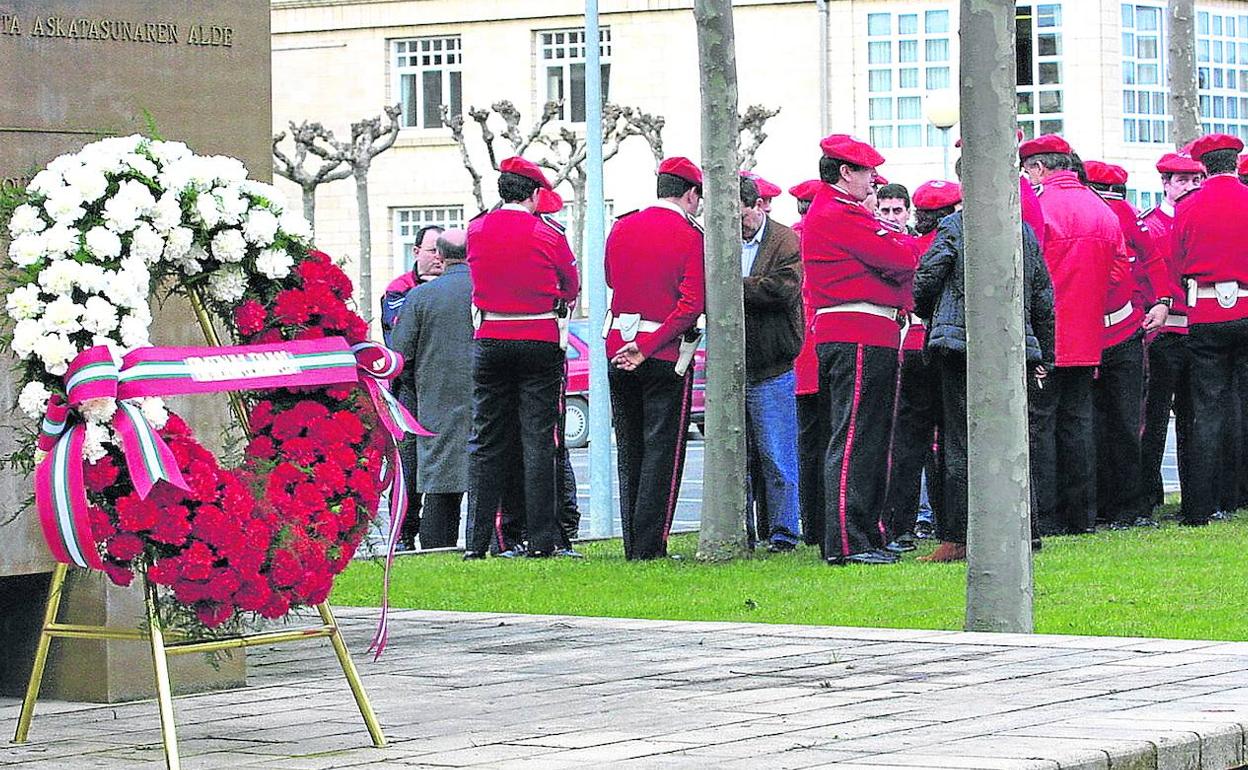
93 235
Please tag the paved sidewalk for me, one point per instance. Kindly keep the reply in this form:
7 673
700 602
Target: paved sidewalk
560 692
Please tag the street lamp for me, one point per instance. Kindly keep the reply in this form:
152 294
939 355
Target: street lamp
942 111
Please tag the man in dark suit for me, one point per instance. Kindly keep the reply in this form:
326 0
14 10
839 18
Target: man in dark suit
434 334
772 275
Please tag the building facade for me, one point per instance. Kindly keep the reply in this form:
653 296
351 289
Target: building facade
1093 70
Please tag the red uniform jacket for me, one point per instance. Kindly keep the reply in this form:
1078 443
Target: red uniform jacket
1032 213
1081 241
916 333
1210 230
806 365
1130 279
850 256
1160 223
654 267
519 265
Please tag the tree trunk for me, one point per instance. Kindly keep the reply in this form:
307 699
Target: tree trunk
723 509
309 204
1184 101
366 243
998 579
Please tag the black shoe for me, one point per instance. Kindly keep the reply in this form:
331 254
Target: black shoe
901 545
878 556
780 546
1222 516
539 554
568 553
1193 522
1036 545
924 530
473 555
1118 526
1144 521
510 553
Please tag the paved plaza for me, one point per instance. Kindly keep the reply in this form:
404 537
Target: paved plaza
493 690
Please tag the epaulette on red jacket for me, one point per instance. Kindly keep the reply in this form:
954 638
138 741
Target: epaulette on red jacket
554 225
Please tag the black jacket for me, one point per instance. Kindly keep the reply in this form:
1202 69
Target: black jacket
773 305
940 294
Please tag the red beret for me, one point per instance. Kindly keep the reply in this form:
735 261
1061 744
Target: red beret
765 189
1018 137
807 190
1176 163
548 201
524 168
1243 165
1104 173
847 148
1043 144
937 194
879 180
1211 142
683 168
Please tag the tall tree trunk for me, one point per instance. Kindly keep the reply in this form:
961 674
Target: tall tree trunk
366 242
998 579
309 204
723 509
1184 100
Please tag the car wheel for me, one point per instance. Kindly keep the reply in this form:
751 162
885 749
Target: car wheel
576 423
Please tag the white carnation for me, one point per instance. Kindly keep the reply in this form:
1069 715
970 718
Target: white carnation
26 219
103 243
46 181
95 442
60 276
23 302
260 227
146 244
227 169
57 351
274 263
294 225
178 243
91 278
207 211
227 284
127 287
229 246
64 205
26 337
27 249
233 205
271 195
134 333
140 164
168 152
88 181
98 409
168 213
99 316
121 213
62 240
34 400
154 412
62 315
139 194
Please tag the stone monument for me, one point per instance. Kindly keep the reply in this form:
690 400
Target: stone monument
72 71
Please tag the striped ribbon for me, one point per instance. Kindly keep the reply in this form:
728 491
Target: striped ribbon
60 494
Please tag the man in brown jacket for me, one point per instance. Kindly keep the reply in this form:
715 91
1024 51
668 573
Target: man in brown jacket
772 269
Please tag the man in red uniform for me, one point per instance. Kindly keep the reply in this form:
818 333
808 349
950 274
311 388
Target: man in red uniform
655 270
1168 364
1082 239
859 273
1141 282
812 413
1207 240
523 279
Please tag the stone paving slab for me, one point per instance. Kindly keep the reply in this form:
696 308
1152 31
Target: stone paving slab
497 690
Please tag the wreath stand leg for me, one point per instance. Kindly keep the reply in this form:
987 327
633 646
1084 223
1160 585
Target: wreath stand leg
162 649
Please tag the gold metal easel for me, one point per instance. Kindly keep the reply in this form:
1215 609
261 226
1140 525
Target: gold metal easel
177 645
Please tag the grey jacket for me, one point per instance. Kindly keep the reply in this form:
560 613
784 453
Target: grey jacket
434 334
940 294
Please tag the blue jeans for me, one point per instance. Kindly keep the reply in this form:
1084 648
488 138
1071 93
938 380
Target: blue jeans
771 419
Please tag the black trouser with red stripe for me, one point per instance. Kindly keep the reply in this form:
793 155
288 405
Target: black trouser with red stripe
1063 447
650 411
514 380
1168 388
812 446
1117 397
918 403
1219 359
860 382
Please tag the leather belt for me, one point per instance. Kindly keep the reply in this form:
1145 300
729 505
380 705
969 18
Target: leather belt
870 308
643 326
480 316
1227 293
1119 315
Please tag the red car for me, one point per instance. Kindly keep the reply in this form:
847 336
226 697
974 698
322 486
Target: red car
576 413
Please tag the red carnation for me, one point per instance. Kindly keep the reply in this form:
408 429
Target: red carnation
101 525
253 594
261 448
164 572
212 614
176 426
285 569
120 574
301 450
136 515
197 562
173 526
291 307
124 546
288 425
190 591
223 584
350 426
261 416
277 607
101 475
249 317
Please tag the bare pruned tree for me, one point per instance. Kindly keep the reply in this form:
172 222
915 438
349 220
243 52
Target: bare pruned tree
751 125
331 168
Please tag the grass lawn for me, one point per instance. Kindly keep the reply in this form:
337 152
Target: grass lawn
1171 582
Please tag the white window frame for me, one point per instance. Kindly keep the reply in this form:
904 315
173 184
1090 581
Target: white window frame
417 58
884 120
406 221
1145 108
1035 122
562 49
1222 84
